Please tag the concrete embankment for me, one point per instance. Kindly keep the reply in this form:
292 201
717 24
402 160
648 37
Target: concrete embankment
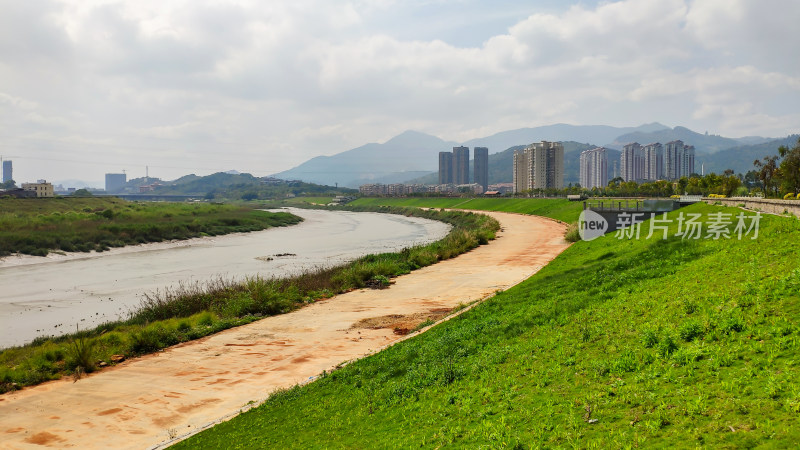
771 206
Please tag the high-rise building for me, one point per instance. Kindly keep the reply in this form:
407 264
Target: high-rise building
115 182
632 162
673 159
8 174
687 161
594 168
445 168
522 169
653 162
481 167
461 165
539 166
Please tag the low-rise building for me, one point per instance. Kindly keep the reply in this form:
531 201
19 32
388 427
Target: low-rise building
42 188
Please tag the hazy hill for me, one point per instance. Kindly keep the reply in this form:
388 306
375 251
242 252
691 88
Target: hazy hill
412 156
741 158
703 143
595 134
410 151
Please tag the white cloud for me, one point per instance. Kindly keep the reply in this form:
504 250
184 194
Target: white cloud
274 83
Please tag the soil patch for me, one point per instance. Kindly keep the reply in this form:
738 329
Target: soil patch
401 324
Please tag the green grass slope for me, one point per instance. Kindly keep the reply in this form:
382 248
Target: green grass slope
616 343
559 209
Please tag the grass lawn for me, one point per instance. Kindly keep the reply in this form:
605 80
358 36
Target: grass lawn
616 343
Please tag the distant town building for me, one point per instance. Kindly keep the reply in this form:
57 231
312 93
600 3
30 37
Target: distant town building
8 174
18 193
503 188
632 162
594 168
539 166
445 167
481 167
115 182
372 189
461 165
149 187
653 162
42 188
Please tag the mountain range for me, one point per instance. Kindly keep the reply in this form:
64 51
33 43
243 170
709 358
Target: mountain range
412 156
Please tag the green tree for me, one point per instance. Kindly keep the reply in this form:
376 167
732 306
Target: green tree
82 193
768 173
790 167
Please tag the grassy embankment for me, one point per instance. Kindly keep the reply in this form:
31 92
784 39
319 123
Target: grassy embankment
190 312
39 226
615 344
559 209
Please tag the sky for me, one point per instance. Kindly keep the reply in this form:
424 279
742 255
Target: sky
89 87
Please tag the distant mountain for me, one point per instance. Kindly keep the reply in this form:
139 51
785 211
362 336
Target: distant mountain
740 159
594 134
703 143
78 184
412 154
400 158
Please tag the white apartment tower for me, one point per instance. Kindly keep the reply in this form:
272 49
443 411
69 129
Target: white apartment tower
653 161
594 168
632 162
678 160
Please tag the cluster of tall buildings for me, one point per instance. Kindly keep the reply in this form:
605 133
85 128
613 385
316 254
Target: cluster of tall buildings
654 162
650 162
454 167
539 166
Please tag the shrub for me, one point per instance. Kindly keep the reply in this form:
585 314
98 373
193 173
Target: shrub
81 353
691 330
789 196
649 338
666 346
145 341
572 234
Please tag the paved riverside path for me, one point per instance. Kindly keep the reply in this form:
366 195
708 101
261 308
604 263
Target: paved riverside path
145 401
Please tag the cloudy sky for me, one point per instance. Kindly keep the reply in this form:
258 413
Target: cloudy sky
197 86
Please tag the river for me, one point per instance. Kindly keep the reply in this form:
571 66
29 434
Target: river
53 296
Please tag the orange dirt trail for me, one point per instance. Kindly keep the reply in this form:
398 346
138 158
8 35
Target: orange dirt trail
147 401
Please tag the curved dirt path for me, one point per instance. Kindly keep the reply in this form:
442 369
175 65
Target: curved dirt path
150 400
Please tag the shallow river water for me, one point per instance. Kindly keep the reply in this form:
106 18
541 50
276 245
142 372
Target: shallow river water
51 296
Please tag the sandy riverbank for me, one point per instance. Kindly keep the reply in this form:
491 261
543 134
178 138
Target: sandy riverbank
145 402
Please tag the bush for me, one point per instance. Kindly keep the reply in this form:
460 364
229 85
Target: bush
649 338
666 346
572 234
691 330
789 196
81 353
